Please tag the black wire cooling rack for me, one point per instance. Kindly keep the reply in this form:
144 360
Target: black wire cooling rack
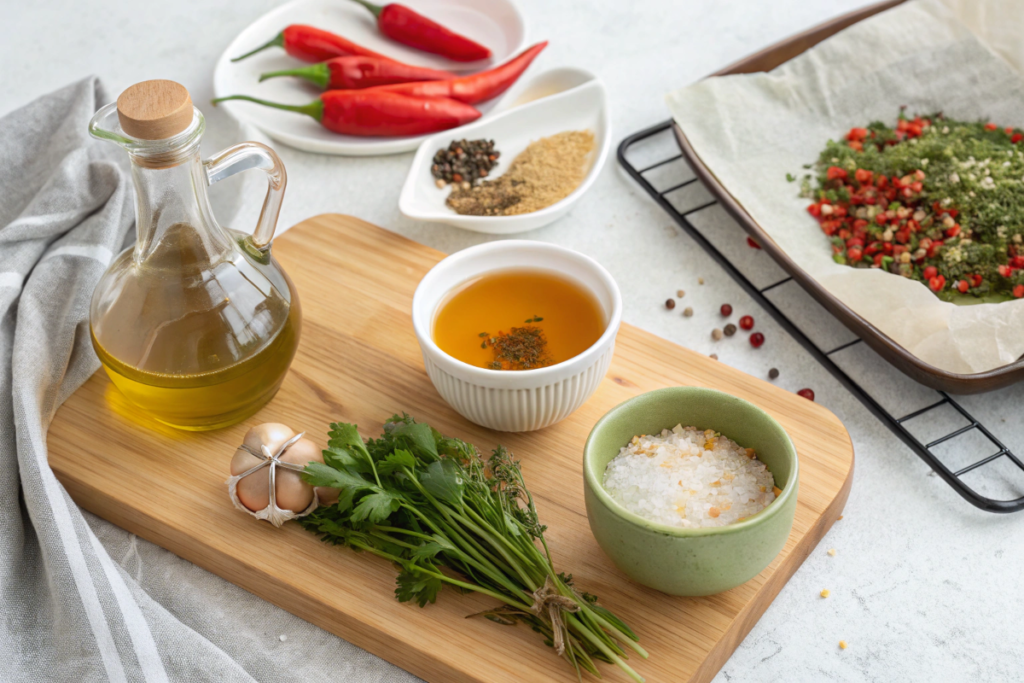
666 153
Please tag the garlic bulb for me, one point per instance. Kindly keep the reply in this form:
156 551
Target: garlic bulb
266 476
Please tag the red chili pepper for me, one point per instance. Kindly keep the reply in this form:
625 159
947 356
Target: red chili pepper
376 113
356 72
403 25
477 87
314 45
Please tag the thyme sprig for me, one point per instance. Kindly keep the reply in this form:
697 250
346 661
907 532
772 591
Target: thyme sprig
433 507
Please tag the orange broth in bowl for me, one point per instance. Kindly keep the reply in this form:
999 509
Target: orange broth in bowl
518 319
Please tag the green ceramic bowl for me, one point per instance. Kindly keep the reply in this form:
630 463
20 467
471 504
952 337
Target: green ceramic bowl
690 561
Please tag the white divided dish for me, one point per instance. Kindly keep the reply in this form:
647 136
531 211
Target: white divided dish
496 24
579 103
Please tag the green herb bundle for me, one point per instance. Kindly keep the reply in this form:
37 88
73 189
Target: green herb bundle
437 510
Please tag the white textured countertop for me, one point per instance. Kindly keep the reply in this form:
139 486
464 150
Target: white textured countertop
923 585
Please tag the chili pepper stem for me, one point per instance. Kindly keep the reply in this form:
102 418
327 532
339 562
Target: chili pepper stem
276 41
319 74
314 108
376 9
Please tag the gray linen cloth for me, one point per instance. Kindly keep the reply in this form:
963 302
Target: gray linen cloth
80 599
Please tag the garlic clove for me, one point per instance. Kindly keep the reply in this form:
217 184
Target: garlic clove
269 434
293 493
327 496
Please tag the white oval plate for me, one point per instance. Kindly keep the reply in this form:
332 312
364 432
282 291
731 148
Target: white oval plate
494 23
582 106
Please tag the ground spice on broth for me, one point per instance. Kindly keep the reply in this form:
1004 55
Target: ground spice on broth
518 319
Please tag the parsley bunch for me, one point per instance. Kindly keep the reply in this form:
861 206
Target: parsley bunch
428 503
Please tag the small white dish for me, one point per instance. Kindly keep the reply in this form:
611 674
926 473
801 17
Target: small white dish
497 24
584 106
519 400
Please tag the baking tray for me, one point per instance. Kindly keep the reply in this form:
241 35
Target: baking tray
887 348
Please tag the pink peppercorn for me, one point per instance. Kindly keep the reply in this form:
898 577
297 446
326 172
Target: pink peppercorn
747 322
806 393
726 310
756 339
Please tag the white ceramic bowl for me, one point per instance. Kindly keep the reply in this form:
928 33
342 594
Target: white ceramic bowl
523 400
497 24
582 104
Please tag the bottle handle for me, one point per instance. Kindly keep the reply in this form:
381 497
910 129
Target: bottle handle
243 157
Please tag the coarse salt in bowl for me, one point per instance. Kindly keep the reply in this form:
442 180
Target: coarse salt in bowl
689 478
702 558
519 400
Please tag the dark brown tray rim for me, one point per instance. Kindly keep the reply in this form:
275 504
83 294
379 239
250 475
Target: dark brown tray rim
917 369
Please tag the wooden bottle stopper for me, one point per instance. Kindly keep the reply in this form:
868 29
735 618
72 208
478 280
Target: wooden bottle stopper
154 110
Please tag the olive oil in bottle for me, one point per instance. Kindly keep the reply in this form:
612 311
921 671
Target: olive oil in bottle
196 324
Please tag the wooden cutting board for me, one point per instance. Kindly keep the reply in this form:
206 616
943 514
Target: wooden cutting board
358 361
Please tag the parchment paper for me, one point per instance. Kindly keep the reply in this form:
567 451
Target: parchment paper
753 129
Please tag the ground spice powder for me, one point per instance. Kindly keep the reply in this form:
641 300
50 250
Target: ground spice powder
545 172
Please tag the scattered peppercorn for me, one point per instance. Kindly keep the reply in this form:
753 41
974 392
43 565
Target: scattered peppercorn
773 373
716 334
730 330
464 161
713 356
825 593
726 310
806 393
756 339
753 243
680 293
687 312
700 281
747 323
670 304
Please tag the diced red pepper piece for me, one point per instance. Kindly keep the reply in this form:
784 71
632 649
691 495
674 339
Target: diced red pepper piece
934 249
954 231
917 186
857 134
855 254
835 172
1018 291
1016 137
1004 270
963 286
863 175
937 283
858 146
976 279
838 210
930 272
990 126
814 209
878 259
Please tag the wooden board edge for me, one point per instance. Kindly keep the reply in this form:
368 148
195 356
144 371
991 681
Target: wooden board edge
755 609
